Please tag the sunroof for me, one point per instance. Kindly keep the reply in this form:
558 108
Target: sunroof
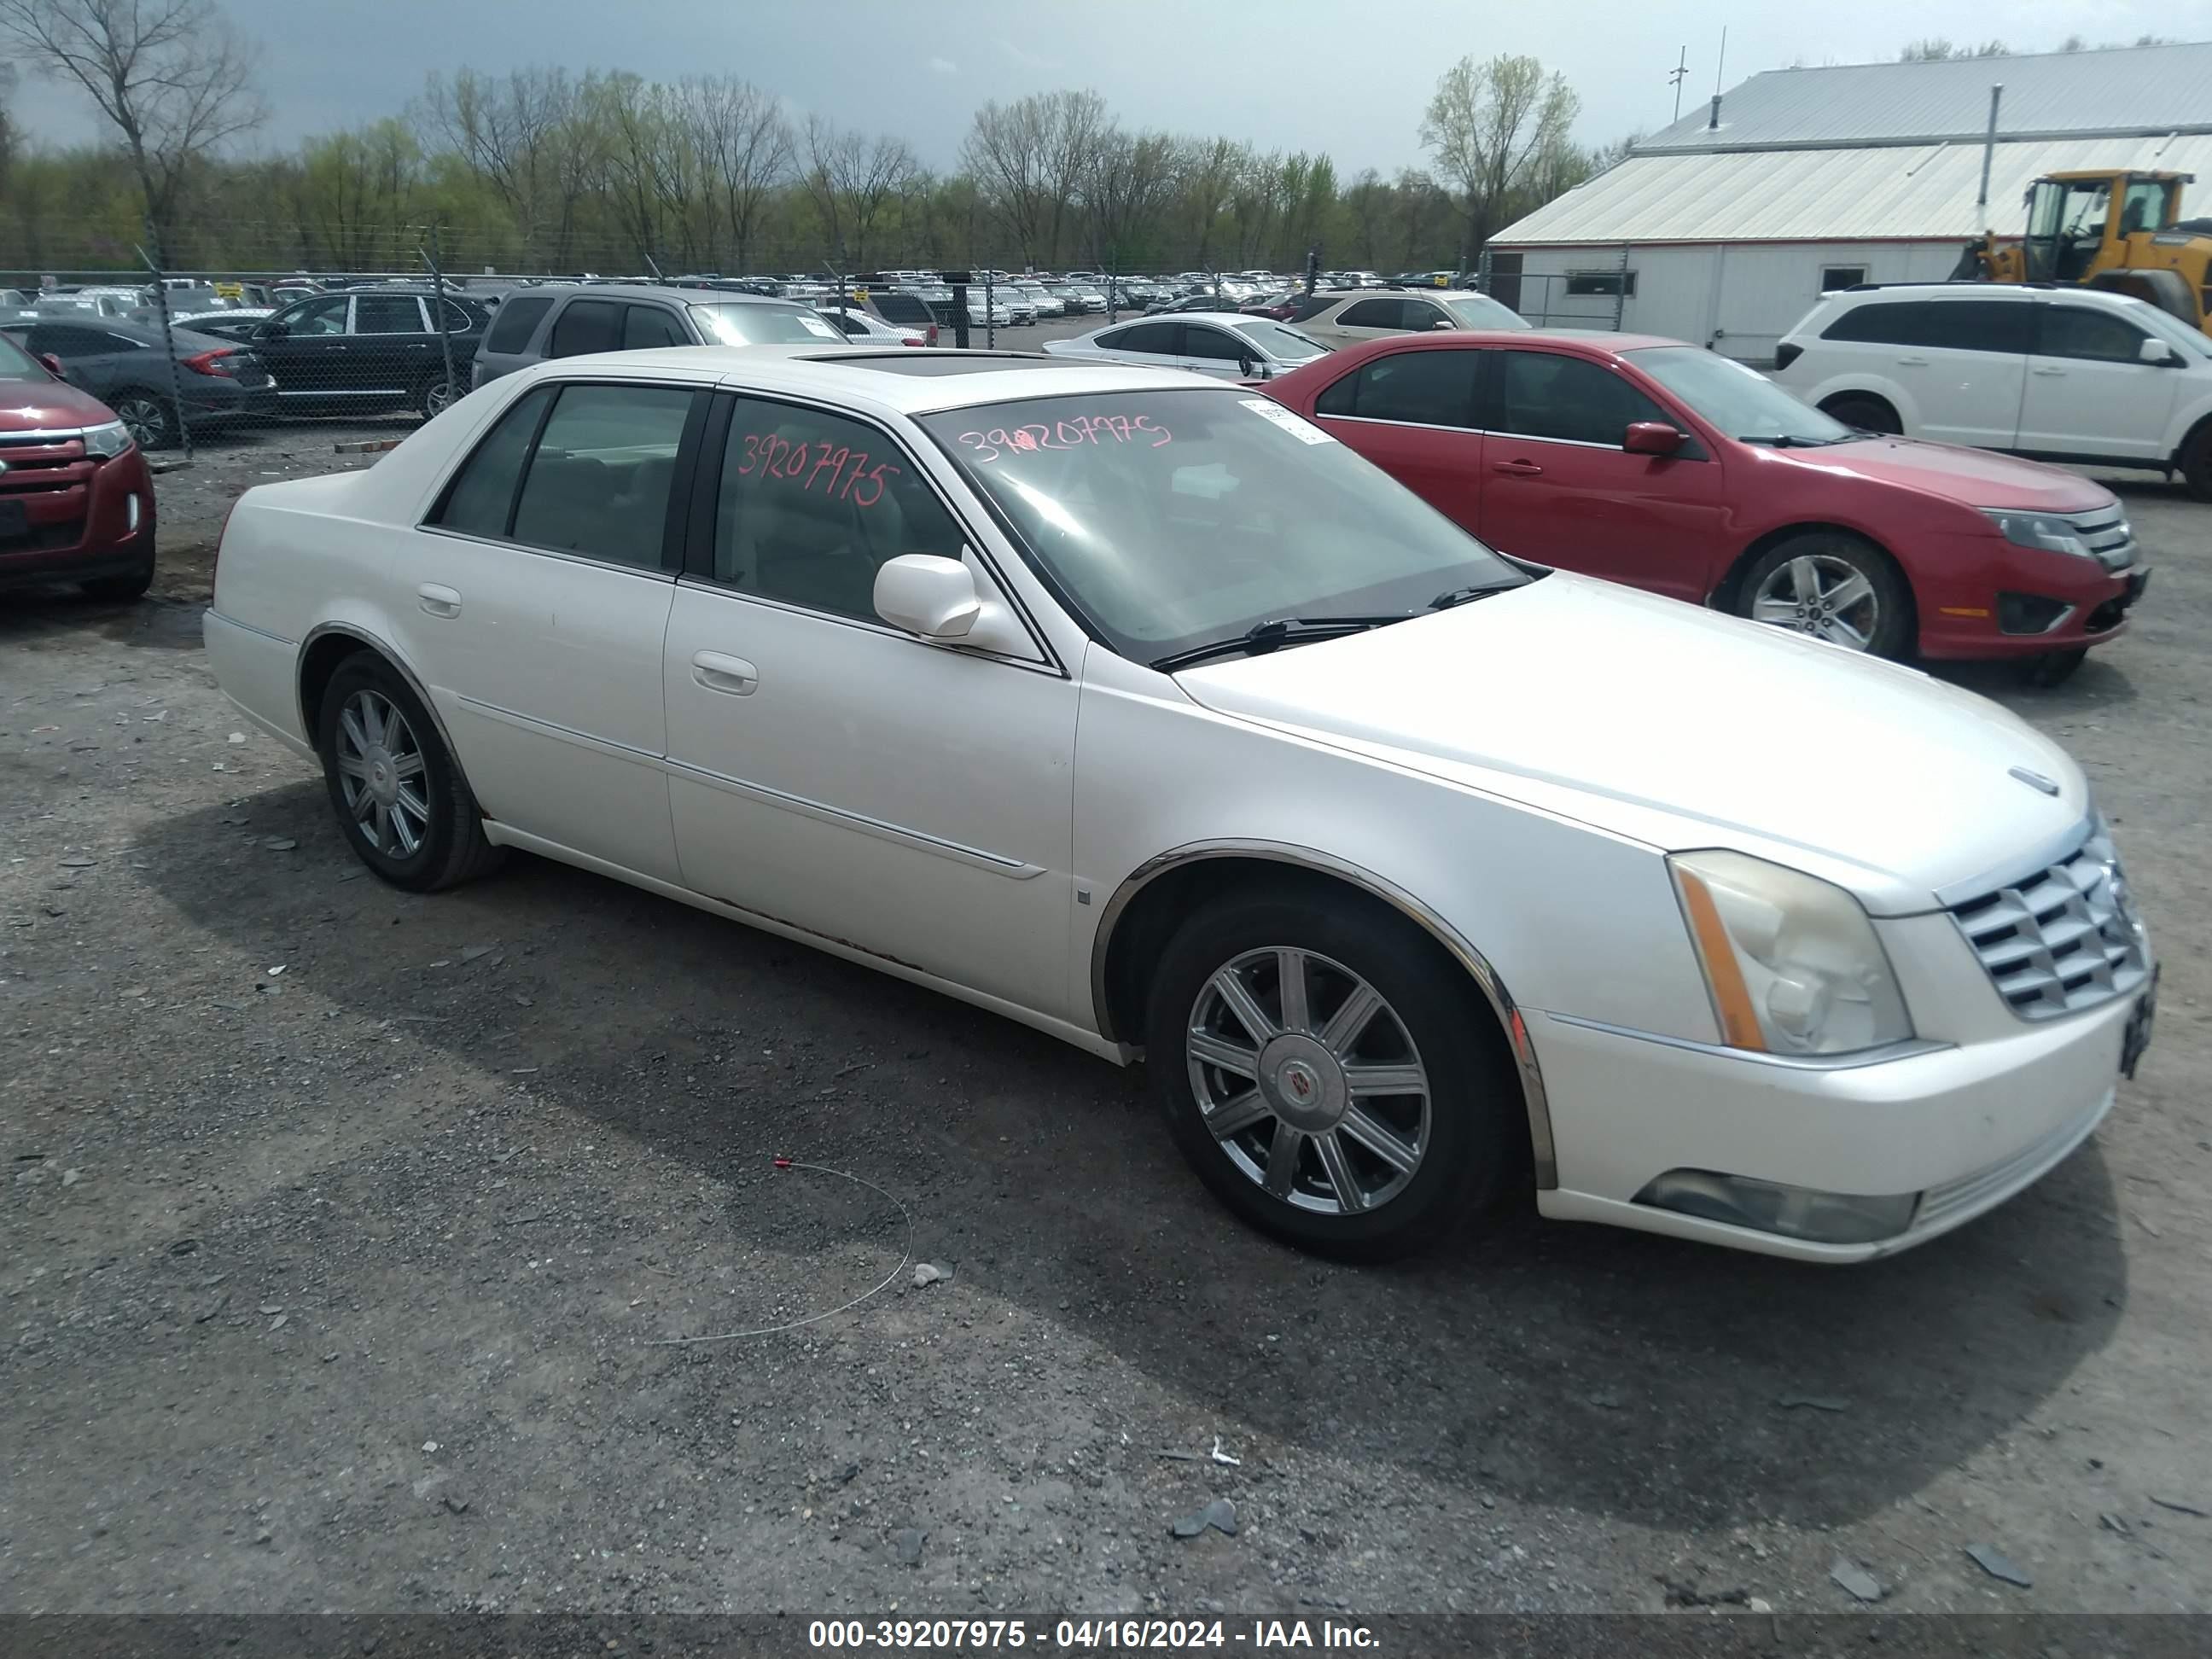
946 362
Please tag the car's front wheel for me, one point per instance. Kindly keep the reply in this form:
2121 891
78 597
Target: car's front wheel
1833 586
1325 1067
398 793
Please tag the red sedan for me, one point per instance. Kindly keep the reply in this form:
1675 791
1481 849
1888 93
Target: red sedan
76 502
1673 469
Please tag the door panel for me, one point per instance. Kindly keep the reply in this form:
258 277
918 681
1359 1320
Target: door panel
2089 392
906 799
308 360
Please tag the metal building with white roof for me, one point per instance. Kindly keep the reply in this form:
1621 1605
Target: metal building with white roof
1726 227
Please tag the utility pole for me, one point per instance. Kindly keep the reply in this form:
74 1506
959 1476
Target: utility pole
1679 74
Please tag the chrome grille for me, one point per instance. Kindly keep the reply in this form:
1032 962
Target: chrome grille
2107 534
2062 939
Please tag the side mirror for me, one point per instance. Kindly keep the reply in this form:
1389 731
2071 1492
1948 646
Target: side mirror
1651 437
935 598
2155 351
272 331
1439 323
52 364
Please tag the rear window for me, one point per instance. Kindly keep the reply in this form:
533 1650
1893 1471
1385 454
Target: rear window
1956 324
517 321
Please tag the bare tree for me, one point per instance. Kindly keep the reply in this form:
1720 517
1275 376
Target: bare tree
1033 157
525 137
850 176
744 145
1128 185
8 140
171 76
1937 50
1487 126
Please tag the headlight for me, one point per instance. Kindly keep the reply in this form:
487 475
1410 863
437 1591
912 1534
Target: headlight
104 441
1792 962
2048 531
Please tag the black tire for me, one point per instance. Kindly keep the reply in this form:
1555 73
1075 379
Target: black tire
2048 668
153 423
1865 412
131 585
451 846
1476 1138
1891 633
2195 460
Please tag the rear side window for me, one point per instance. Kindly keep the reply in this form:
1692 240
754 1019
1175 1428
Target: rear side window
459 319
1309 307
480 500
1156 338
517 321
599 479
2095 335
387 313
1374 313
1543 394
587 325
647 327
1950 324
1427 388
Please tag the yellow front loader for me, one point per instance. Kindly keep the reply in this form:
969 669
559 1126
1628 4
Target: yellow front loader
2114 230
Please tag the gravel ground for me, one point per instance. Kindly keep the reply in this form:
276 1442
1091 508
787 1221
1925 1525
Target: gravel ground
343 1225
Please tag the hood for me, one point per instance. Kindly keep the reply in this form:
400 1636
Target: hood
1972 478
36 406
1681 728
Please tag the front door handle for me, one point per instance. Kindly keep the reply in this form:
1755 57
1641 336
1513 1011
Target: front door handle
439 601
1518 469
717 672
2048 368
1912 362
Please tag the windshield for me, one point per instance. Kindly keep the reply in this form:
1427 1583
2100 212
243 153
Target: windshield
1283 344
16 364
1176 518
2171 329
1480 311
1742 401
735 324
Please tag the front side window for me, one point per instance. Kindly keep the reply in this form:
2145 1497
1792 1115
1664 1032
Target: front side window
1173 518
1545 394
387 313
2096 335
599 481
1214 345
813 504
323 316
16 364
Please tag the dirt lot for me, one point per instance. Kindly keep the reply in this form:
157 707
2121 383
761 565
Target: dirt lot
342 1223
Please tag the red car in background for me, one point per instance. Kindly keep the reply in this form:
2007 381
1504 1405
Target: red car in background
1671 468
76 501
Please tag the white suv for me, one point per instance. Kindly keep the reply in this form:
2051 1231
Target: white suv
2062 375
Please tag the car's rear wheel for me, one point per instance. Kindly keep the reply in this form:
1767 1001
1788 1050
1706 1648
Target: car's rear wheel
1866 412
1833 586
435 398
1324 1068
398 793
151 423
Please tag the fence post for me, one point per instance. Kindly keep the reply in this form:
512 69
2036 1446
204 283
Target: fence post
1114 287
1313 269
1620 290
168 343
990 313
1482 272
431 257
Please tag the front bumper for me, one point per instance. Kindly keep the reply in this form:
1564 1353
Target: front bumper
1984 597
1965 1127
76 517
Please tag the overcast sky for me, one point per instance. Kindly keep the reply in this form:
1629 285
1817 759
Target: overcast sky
1347 78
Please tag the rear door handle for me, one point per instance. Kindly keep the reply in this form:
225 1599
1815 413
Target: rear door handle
439 601
2048 368
1912 362
717 672
1518 469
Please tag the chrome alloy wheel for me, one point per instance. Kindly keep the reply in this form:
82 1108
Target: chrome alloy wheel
380 770
1307 1081
1822 595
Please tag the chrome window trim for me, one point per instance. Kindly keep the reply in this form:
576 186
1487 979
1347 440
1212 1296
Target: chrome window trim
1478 967
1906 1048
652 572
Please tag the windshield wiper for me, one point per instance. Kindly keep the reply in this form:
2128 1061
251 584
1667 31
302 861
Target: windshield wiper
1453 596
1276 632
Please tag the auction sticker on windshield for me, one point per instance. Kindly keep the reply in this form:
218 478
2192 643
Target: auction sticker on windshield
815 326
1300 428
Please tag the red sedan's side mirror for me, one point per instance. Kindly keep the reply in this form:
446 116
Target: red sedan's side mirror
52 364
1651 438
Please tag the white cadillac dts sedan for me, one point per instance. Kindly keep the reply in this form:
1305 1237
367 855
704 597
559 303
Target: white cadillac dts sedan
1136 709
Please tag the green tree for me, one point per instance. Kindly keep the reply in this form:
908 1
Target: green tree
1487 126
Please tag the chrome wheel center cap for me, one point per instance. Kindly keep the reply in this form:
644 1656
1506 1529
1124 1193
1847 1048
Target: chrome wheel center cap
1303 1083
383 775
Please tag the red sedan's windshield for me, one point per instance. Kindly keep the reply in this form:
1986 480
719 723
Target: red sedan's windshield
1175 519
